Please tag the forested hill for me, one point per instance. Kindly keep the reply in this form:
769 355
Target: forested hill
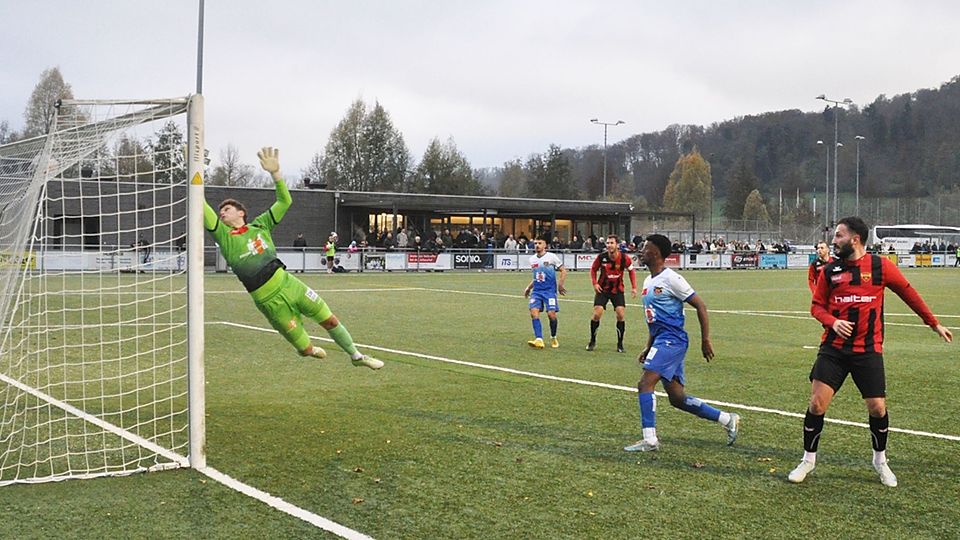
911 148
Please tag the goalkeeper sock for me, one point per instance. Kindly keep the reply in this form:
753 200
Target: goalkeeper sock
553 327
693 405
343 339
537 329
812 427
594 325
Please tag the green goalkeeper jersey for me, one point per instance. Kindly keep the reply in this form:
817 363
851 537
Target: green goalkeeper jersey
249 250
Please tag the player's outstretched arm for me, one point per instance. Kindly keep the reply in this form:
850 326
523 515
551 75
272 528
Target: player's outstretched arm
270 162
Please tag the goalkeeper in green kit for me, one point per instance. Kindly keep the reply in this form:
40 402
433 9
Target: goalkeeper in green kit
282 298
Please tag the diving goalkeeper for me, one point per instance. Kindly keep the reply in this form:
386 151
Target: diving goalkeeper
282 298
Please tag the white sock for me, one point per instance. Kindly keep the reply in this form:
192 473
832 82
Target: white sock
810 456
879 457
356 356
650 434
724 418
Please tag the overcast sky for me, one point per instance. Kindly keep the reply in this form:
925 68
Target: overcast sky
504 78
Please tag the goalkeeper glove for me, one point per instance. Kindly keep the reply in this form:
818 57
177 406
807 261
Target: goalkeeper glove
270 161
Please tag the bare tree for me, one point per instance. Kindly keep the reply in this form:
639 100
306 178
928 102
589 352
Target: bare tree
232 171
43 102
313 172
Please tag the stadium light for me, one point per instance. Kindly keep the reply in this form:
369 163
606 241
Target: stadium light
826 189
858 139
605 126
836 141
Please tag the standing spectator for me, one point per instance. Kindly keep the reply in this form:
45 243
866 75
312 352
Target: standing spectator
388 242
301 242
402 239
510 244
848 303
447 238
329 250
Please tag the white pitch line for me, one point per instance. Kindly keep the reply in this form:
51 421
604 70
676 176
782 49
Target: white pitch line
283 506
596 384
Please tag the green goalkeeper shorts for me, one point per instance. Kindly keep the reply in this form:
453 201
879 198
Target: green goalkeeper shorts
284 300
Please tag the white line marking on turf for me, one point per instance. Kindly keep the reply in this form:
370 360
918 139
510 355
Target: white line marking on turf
596 384
283 506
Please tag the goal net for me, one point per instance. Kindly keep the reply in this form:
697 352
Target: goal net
93 293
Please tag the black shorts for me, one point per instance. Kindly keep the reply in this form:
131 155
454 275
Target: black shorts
617 299
832 367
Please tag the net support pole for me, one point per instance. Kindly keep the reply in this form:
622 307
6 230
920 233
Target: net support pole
195 323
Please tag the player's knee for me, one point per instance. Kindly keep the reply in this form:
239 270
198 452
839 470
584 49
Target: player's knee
330 323
818 406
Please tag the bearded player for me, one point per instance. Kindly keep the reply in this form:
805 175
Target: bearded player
848 302
606 273
282 298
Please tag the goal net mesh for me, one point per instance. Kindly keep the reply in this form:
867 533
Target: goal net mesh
93 303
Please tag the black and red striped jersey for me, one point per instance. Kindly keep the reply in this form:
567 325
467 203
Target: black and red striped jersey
853 291
608 272
813 273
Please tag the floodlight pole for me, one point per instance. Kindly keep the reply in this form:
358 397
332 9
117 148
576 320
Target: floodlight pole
836 146
858 138
605 126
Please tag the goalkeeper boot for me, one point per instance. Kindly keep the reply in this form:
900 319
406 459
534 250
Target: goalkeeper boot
733 428
591 346
554 343
536 343
803 469
887 477
642 446
620 347
315 352
367 361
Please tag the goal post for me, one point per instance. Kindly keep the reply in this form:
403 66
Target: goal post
101 292
195 321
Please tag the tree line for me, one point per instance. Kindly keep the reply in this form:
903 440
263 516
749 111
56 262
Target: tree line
909 147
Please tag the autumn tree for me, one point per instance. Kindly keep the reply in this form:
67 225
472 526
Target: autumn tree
689 185
754 209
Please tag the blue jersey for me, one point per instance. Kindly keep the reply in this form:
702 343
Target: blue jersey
663 297
545 273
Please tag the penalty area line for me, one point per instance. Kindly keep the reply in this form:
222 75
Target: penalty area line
596 384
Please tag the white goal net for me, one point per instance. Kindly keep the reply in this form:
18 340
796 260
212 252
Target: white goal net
93 293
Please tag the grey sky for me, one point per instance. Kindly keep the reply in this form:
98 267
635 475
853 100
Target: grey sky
504 78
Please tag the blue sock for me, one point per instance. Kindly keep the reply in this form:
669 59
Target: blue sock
648 410
553 327
694 406
537 329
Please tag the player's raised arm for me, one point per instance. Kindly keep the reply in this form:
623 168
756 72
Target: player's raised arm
897 283
270 162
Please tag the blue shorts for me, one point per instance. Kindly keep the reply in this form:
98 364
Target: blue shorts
544 301
666 358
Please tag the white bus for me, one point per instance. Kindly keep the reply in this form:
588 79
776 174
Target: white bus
903 237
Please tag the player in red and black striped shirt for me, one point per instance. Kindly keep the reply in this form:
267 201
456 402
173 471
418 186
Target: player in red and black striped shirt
606 272
848 301
813 273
